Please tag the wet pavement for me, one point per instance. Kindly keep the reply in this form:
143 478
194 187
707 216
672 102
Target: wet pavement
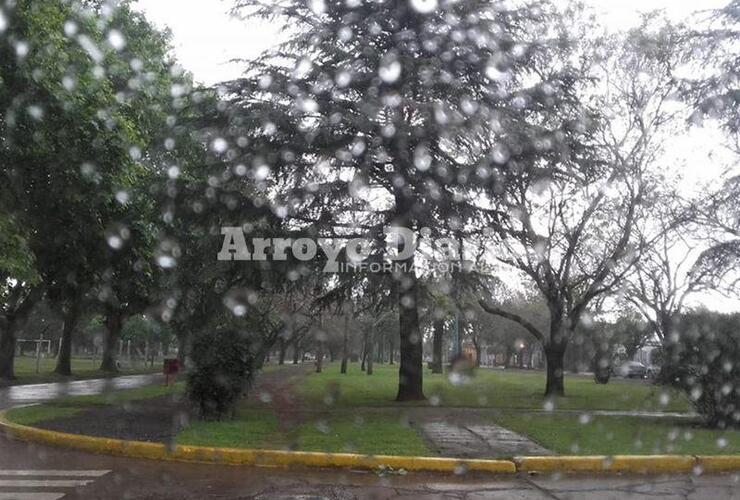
33 472
18 395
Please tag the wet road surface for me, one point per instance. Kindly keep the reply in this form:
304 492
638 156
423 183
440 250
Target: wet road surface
33 472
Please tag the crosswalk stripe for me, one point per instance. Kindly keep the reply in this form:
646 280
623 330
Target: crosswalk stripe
54 473
9 495
43 483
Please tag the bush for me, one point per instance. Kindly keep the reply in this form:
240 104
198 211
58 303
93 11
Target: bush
703 359
223 366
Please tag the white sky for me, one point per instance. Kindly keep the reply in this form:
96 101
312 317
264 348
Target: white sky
206 38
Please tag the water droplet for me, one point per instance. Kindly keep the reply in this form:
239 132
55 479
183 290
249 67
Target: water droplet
134 152
122 197
584 418
219 145
721 442
549 405
302 69
70 28
500 153
343 78
262 172
422 158
265 397
424 6
69 83
318 7
3 22
494 73
116 39
35 112
390 68
22 49
173 172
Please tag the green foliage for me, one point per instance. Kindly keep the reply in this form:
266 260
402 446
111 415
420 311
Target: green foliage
702 360
223 368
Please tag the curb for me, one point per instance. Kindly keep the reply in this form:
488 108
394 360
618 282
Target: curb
234 456
640 464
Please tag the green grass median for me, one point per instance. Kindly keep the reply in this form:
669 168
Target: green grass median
616 435
488 388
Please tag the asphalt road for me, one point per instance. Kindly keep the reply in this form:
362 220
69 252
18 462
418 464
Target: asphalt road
33 472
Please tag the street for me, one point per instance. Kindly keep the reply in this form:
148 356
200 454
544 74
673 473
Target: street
33 472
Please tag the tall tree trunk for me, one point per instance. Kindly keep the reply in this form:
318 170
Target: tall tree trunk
70 317
391 348
476 345
18 306
438 331
113 326
555 354
369 355
7 348
364 351
319 358
345 343
381 354
296 354
410 372
283 347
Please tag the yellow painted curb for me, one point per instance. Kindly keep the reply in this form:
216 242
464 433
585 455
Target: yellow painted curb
719 463
234 456
642 464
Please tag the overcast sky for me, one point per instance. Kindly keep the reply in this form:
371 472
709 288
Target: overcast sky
206 38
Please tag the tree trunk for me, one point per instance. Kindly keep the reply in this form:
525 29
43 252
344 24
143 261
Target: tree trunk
555 354
345 342
283 347
476 345
18 306
369 355
319 358
113 326
391 348
296 354
410 373
437 343
364 352
70 317
7 348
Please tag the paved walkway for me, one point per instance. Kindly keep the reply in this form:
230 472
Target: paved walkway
36 393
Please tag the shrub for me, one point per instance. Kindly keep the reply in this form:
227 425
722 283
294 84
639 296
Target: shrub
223 366
703 359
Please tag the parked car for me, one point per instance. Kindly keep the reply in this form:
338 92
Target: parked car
652 371
632 369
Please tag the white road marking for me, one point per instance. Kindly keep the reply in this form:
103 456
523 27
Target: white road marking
9 495
54 473
63 479
44 483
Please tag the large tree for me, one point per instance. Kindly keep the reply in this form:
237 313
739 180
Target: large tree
572 224
377 109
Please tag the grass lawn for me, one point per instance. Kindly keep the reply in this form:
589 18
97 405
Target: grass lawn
260 428
82 368
489 388
611 435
